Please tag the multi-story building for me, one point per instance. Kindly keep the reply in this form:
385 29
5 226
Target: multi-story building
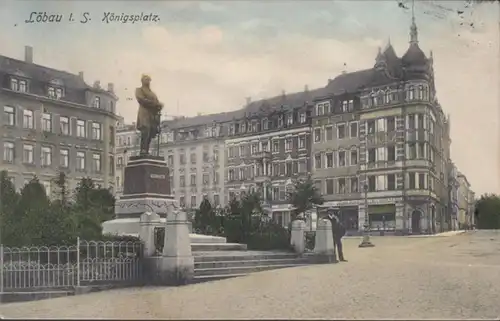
454 187
268 146
465 201
53 121
193 148
386 151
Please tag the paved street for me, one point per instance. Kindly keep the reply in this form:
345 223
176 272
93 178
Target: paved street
435 277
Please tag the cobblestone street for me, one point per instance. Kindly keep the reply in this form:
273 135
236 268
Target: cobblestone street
434 277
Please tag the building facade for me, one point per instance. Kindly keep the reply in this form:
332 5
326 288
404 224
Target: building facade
465 201
268 147
52 121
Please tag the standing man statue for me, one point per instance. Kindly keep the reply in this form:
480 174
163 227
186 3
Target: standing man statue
148 115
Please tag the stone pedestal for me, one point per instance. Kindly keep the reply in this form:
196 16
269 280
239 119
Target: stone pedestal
149 221
146 189
297 237
176 265
324 251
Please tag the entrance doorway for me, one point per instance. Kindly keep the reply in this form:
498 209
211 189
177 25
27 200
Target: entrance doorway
416 218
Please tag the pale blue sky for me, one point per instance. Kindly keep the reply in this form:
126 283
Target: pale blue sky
208 56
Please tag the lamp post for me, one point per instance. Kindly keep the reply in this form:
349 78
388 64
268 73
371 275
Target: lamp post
366 231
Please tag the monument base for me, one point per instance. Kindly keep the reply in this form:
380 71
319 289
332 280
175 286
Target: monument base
164 270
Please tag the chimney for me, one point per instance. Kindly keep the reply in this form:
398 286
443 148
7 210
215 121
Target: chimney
111 87
97 84
28 54
80 74
249 100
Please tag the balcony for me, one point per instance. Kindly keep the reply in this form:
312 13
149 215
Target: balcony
264 155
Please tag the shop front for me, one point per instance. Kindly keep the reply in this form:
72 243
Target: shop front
382 217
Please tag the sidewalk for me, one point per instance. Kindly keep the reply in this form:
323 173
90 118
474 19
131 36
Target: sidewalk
444 234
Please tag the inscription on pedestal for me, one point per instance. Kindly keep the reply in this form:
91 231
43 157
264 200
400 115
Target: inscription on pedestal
146 176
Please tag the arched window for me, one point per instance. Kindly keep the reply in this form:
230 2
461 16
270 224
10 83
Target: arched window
420 92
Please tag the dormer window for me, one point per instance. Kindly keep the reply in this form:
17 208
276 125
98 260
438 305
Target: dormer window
265 124
289 119
243 127
23 87
322 108
14 84
411 93
344 106
97 102
55 92
350 105
302 117
387 96
18 85
280 121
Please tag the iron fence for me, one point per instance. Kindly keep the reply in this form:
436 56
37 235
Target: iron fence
57 267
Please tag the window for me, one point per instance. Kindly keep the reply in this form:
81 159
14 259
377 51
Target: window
8 152
421 181
47 122
55 93
14 84
350 106
193 201
354 157
28 119
9 115
354 129
412 151
330 187
381 183
288 144
96 162
317 135
216 178
342 160
193 179
28 151
341 131
329 160
216 200
192 158
289 119
391 124
371 183
276 146
302 118
182 159
391 153
342 185
182 201
64 158
381 154
411 181
329 133
344 106
205 157
96 131
80 161
46 156
182 181
97 102
317 161
242 150
302 142
215 152
381 125
354 184
371 155
23 86
391 182
80 128
421 150
411 121
302 166
420 121
59 93
322 108
370 126
206 179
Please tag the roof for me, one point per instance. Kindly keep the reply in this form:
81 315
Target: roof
40 76
414 56
351 82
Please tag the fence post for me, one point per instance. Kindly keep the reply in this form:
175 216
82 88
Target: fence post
1 269
78 261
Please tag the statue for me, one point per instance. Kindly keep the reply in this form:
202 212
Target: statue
148 115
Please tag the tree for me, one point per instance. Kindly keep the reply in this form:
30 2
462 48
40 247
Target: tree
488 212
8 202
304 196
92 206
61 191
205 218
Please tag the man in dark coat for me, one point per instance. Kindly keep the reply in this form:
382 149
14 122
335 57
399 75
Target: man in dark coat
338 231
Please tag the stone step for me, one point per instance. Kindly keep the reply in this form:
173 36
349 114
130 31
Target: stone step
241 269
213 256
200 238
218 247
248 263
208 278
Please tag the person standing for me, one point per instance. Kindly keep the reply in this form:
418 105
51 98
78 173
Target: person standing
338 231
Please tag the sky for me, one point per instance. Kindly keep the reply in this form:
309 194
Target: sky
208 56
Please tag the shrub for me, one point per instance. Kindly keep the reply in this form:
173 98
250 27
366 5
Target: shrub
269 236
